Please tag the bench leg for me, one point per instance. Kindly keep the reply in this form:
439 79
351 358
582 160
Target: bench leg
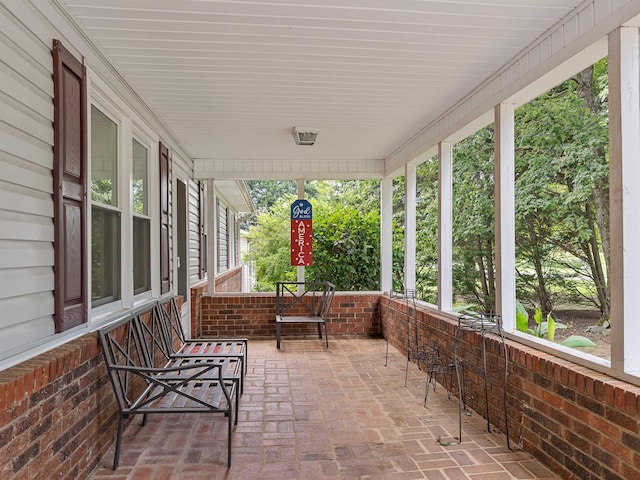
326 335
277 334
229 435
116 455
235 422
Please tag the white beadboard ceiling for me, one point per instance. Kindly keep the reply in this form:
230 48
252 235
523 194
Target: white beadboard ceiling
231 78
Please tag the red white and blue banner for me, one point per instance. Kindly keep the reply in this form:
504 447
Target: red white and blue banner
301 233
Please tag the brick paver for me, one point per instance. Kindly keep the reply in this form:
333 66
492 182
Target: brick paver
312 413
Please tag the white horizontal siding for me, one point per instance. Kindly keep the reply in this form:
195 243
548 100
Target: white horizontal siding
19 144
16 226
193 239
33 306
17 84
15 339
25 200
26 186
17 254
25 281
27 29
25 119
22 172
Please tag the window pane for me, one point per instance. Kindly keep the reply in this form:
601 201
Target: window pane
105 256
141 255
139 182
104 158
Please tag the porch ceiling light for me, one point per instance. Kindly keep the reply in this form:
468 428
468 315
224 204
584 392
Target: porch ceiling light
304 136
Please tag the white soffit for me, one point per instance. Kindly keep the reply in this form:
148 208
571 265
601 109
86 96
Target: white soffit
231 78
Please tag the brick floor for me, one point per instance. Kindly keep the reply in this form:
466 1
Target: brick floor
312 413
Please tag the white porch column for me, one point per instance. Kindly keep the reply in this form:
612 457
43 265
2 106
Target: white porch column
212 236
504 173
445 226
410 227
386 234
624 196
301 197
126 222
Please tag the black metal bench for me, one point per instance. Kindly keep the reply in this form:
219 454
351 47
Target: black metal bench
303 302
144 382
178 346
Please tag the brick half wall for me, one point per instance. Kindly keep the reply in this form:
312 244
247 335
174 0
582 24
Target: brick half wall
580 423
253 315
230 281
58 413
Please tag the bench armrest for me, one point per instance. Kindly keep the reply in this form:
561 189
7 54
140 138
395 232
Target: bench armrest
202 367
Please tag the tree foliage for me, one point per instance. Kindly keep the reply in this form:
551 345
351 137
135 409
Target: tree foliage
346 238
561 194
562 184
473 220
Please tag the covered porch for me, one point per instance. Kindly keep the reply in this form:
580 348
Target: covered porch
216 92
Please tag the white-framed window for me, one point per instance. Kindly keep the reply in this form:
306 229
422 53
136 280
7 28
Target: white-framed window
124 213
106 214
141 254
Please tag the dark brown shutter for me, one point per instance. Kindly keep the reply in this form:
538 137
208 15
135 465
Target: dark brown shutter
69 196
165 277
203 236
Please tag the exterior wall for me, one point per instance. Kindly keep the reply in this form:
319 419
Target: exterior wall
26 187
26 182
580 423
27 278
194 232
253 315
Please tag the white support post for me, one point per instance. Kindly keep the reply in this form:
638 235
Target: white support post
126 175
445 226
212 236
504 174
410 227
624 196
386 234
301 197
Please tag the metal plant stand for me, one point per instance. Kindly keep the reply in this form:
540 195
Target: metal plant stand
409 298
482 324
425 355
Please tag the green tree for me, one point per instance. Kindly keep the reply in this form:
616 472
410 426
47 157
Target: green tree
427 231
266 193
473 221
562 193
346 238
346 249
269 241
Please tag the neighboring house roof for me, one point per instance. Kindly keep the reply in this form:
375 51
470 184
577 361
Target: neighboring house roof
235 194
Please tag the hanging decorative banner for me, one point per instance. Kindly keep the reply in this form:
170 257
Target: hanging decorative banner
301 231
